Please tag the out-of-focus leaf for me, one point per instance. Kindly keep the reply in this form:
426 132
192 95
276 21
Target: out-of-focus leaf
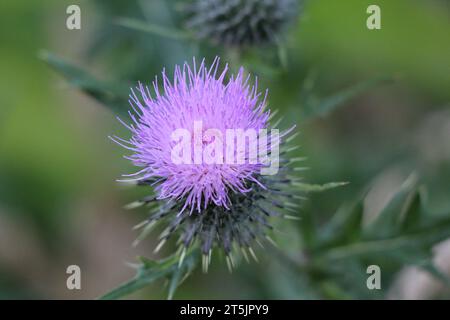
306 187
401 209
313 106
147 263
413 211
399 235
345 225
153 29
149 271
307 225
425 238
388 221
177 276
113 96
282 54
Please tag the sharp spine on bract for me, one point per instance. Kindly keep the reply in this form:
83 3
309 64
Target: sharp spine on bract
141 224
289 217
159 246
183 254
271 241
230 268
244 253
252 253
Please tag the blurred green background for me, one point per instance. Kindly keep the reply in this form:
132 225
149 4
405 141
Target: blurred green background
60 205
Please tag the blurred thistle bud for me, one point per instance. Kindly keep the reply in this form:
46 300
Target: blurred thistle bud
240 23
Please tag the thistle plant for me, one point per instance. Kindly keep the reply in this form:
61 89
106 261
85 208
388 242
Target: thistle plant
224 204
234 207
240 22
234 210
226 211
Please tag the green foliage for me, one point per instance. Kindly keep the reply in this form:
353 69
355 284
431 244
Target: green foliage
111 95
149 271
333 252
115 96
158 30
306 187
403 233
341 238
404 223
314 106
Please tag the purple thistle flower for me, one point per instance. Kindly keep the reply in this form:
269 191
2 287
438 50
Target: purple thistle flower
196 94
232 201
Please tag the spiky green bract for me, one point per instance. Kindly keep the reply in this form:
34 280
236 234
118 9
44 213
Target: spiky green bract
240 22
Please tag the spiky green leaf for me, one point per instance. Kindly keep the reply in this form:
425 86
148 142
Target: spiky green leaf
306 187
150 271
313 106
112 96
158 30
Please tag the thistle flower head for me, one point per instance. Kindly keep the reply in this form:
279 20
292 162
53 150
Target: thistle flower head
228 199
198 100
240 22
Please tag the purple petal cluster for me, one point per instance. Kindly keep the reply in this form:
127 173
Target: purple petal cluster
196 93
